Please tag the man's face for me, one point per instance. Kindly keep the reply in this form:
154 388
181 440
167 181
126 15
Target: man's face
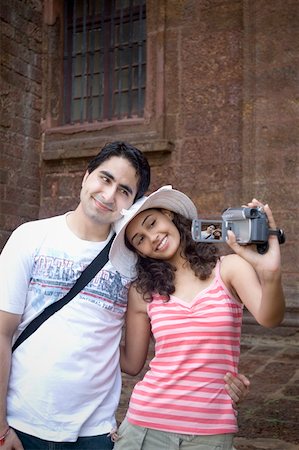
108 189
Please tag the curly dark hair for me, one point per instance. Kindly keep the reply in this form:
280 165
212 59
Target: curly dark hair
157 276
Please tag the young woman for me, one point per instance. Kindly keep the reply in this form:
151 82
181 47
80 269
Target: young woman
191 301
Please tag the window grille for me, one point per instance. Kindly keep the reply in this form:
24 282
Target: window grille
104 59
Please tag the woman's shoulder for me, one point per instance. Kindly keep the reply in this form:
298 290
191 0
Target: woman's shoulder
232 264
231 258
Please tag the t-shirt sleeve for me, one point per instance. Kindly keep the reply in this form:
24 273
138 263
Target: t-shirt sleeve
16 262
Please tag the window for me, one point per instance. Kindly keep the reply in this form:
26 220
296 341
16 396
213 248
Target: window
104 60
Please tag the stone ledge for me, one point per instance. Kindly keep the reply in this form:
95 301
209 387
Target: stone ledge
80 148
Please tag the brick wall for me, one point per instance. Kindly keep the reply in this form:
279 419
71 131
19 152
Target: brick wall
21 78
270 120
220 118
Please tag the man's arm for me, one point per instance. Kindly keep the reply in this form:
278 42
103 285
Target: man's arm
237 387
8 325
137 334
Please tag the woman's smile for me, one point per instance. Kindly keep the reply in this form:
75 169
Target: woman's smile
163 244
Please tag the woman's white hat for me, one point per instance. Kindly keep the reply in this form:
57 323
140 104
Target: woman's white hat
123 259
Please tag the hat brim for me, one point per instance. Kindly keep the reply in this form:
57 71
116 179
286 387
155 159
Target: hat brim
123 259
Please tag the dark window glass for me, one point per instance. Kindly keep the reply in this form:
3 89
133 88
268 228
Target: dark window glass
104 59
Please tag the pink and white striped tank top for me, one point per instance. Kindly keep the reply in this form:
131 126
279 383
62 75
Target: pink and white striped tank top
196 344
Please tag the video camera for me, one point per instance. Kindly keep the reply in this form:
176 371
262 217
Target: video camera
250 226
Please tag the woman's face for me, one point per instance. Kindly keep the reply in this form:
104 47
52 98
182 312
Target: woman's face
153 234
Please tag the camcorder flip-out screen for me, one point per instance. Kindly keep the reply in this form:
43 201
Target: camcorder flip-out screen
204 230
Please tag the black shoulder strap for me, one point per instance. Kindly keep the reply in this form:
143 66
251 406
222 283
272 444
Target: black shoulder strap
86 276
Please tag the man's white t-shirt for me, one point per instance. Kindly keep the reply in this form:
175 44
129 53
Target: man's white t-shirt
65 379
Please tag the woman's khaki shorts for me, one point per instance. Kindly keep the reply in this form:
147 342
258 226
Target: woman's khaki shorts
132 437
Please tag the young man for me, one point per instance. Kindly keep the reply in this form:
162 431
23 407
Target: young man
65 379
61 387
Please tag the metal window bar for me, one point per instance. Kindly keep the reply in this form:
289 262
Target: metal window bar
83 91
90 78
120 50
73 62
139 98
130 62
102 71
106 60
65 61
111 59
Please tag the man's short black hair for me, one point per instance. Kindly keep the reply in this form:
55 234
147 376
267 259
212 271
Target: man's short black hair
133 155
